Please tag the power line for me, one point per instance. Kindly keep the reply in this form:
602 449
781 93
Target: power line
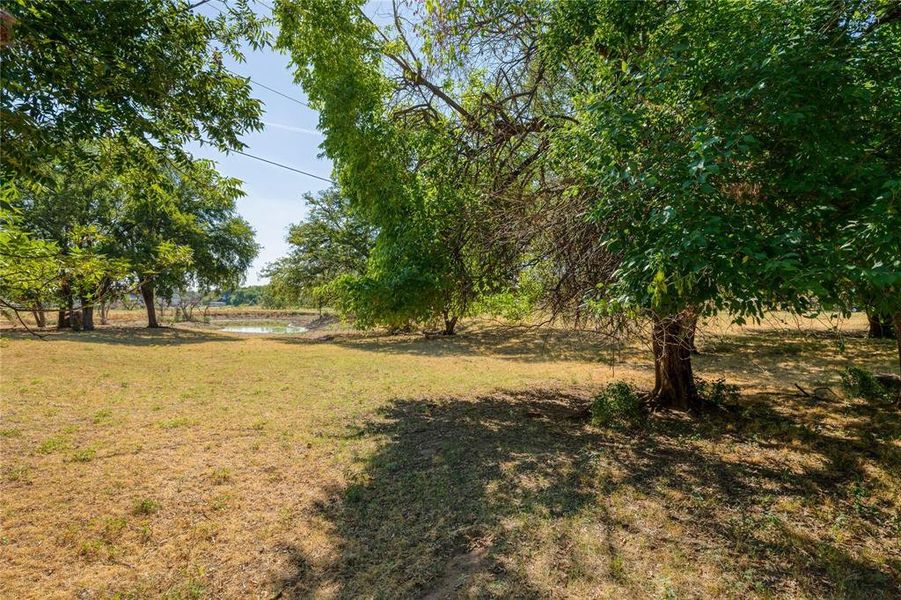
277 164
275 91
262 85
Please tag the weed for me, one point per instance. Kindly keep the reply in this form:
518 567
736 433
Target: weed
175 423
221 476
861 383
618 405
717 392
84 455
102 416
51 445
19 473
146 506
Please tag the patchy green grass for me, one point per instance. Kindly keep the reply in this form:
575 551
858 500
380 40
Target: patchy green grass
188 464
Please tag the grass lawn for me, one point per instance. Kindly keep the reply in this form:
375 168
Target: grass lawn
195 464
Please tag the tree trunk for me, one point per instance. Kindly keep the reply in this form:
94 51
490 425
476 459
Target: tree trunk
74 316
63 316
87 315
692 328
449 324
674 384
147 295
104 313
40 318
897 321
880 326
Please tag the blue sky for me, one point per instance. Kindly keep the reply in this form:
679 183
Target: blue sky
274 195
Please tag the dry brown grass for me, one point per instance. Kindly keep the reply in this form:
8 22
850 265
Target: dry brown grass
186 464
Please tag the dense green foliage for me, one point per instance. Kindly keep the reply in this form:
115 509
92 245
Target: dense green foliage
401 171
732 148
739 155
76 71
660 161
97 194
331 242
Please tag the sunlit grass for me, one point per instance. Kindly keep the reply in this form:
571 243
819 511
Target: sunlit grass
173 461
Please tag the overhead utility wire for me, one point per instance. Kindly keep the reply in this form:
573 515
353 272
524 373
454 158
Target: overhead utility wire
278 164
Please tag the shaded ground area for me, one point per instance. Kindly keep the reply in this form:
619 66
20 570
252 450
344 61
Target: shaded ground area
192 464
510 495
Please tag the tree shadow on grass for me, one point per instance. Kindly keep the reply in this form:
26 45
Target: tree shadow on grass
463 495
791 355
786 354
512 343
127 336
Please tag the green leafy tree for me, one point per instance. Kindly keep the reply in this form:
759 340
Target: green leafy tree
728 149
180 229
76 71
75 210
402 163
332 242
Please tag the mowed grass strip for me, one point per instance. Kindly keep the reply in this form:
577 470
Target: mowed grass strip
182 463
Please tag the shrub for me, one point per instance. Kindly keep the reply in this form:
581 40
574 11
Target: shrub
861 383
618 405
717 391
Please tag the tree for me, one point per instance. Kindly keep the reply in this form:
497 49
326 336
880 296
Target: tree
78 73
403 162
180 228
684 158
725 147
331 242
75 208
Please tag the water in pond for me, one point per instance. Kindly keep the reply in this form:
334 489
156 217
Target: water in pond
265 329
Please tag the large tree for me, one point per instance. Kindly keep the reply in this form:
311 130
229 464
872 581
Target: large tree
407 153
76 73
331 242
727 148
180 228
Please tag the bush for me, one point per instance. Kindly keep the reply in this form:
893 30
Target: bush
618 405
861 383
717 392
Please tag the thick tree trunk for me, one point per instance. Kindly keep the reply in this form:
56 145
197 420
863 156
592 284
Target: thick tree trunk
87 315
147 295
64 316
674 384
74 316
880 326
449 324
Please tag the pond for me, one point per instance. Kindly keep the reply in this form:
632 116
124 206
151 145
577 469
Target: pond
277 329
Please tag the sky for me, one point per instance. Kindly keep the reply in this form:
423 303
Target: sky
274 195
